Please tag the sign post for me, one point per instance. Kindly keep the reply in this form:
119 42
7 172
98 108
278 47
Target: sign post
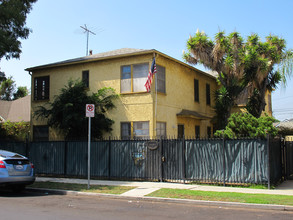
90 113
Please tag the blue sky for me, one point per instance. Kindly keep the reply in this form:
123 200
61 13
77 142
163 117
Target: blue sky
161 25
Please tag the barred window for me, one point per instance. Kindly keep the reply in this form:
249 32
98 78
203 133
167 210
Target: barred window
41 88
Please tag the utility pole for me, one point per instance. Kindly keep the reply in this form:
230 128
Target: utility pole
87 31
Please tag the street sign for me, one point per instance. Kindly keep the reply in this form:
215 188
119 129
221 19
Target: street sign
90 113
90 110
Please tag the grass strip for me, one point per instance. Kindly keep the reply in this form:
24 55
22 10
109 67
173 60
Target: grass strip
224 196
82 187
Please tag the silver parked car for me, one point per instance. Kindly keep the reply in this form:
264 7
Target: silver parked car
16 171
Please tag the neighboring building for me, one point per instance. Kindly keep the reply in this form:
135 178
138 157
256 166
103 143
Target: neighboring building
16 111
183 104
285 128
243 99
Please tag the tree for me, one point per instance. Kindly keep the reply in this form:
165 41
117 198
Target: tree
286 66
67 111
239 64
22 91
13 14
8 87
246 125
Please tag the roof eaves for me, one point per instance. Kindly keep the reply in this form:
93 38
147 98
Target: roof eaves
91 58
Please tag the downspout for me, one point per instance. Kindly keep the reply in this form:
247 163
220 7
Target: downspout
31 114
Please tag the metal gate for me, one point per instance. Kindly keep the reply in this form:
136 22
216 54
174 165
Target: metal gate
288 157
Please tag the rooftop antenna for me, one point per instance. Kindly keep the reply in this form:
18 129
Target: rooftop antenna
87 31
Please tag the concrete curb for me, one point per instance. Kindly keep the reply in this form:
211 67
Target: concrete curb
171 200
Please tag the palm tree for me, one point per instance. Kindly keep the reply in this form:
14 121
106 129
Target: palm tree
67 111
240 65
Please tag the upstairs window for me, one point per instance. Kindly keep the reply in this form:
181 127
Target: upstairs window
125 79
41 88
196 91
86 77
134 77
208 94
161 79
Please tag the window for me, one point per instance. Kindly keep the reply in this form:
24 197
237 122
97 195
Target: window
196 91
180 131
134 77
161 78
140 75
85 77
197 131
41 88
209 132
125 130
41 133
161 129
125 79
208 94
140 130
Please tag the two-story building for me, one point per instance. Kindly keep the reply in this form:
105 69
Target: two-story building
180 102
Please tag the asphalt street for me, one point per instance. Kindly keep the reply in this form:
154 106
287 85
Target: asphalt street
30 205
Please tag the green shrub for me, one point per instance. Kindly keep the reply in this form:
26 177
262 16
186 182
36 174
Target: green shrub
246 125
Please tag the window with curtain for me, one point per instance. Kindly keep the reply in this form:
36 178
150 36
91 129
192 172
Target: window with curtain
141 129
125 130
134 77
161 129
140 75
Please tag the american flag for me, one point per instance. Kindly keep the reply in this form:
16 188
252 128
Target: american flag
151 74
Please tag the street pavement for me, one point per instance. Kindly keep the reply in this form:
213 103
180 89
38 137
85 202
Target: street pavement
142 189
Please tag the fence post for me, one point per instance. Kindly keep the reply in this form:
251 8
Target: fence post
109 159
183 160
65 157
224 163
268 161
27 147
161 160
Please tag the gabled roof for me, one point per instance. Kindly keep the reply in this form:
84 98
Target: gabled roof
15 111
124 52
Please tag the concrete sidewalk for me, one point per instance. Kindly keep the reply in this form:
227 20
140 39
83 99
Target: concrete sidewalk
144 188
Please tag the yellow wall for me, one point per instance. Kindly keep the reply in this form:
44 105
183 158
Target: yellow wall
180 95
139 106
267 110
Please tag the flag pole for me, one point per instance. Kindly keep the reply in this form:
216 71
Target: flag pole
156 103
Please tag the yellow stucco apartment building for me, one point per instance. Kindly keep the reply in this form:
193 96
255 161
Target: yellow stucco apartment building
182 105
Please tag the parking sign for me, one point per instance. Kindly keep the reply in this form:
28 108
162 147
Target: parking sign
90 110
